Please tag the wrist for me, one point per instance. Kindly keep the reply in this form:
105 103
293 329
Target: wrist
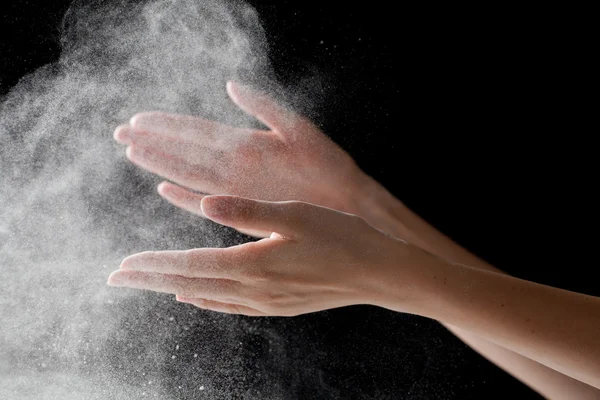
373 203
382 210
408 280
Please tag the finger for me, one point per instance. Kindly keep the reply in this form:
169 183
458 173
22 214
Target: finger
205 153
193 176
226 308
219 263
213 289
182 126
182 198
122 134
285 218
191 202
263 108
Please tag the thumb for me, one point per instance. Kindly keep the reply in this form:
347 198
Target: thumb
285 218
264 108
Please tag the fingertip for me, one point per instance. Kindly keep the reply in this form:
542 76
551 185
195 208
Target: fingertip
126 263
134 261
230 85
205 204
130 153
164 188
135 120
234 86
142 118
241 93
121 134
115 279
171 190
233 91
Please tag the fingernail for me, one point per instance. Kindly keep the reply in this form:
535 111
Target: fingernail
238 89
162 187
134 120
167 188
116 279
121 136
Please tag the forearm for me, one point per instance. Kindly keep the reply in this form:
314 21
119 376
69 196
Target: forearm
549 383
533 320
384 211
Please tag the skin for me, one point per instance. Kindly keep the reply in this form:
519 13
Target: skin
320 258
209 157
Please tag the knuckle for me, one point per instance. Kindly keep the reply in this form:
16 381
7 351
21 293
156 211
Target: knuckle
260 297
266 299
361 225
298 205
302 208
188 262
356 220
253 256
257 274
251 273
234 255
298 212
229 260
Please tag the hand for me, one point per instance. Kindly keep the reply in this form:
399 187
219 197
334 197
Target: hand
293 159
315 259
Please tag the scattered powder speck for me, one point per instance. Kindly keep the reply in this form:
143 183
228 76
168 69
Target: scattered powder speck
72 207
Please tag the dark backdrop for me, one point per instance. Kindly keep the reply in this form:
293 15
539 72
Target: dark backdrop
475 118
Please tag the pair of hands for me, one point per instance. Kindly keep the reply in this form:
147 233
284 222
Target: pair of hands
314 255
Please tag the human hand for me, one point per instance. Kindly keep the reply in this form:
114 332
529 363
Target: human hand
315 259
293 159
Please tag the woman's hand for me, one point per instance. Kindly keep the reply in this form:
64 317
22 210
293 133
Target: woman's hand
293 159
317 258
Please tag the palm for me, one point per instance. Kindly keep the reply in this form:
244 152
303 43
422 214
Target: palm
291 160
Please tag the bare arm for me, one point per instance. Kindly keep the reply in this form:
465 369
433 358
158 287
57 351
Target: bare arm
293 146
392 216
318 258
555 327
546 381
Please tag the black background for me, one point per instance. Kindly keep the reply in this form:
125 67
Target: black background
478 119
